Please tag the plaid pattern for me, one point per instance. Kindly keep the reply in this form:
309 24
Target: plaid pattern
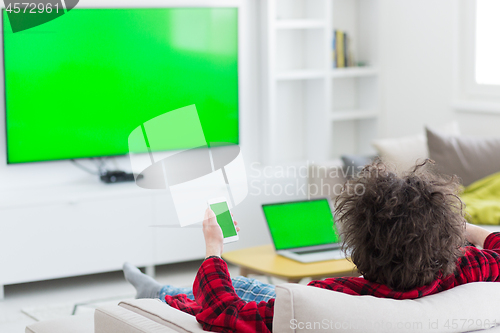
249 290
252 290
168 290
218 308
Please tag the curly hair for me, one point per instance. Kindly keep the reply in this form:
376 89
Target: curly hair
401 230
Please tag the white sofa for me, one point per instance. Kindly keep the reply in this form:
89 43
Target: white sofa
471 307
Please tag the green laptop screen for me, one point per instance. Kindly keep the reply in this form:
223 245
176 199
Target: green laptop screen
77 86
299 224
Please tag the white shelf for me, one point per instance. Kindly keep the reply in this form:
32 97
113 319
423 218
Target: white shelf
300 74
313 111
354 72
299 24
355 114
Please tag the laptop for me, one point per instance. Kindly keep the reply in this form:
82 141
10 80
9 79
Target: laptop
303 230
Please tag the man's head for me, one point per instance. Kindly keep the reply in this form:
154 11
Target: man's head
401 231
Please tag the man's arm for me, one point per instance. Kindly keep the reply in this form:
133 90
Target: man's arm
476 235
480 265
214 240
221 309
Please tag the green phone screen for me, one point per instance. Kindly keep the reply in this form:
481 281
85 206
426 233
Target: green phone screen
224 219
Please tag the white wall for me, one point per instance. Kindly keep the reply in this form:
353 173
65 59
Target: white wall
417 53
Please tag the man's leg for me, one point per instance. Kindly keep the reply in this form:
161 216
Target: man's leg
253 290
173 291
246 288
146 286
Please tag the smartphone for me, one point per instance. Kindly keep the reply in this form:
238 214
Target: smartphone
220 208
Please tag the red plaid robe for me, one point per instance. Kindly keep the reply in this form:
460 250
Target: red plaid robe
218 308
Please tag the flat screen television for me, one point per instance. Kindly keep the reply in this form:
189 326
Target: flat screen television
77 86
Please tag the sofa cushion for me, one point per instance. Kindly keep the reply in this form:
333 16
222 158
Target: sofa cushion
159 312
405 151
464 308
354 163
470 158
114 318
402 152
326 180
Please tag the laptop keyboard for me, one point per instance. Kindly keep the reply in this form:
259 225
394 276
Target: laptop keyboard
316 251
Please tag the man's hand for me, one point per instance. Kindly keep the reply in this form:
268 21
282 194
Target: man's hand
476 235
214 239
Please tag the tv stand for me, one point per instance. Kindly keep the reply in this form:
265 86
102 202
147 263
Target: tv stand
88 227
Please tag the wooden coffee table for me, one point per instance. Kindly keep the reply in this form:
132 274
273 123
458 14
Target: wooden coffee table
264 260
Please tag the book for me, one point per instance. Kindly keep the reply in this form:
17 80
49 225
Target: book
340 48
346 55
342 55
334 50
350 56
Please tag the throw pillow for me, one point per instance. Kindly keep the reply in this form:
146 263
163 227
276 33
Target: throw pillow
470 158
405 152
354 163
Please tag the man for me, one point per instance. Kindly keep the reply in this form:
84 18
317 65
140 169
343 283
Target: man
406 235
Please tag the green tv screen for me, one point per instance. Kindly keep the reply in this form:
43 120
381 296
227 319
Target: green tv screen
78 85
